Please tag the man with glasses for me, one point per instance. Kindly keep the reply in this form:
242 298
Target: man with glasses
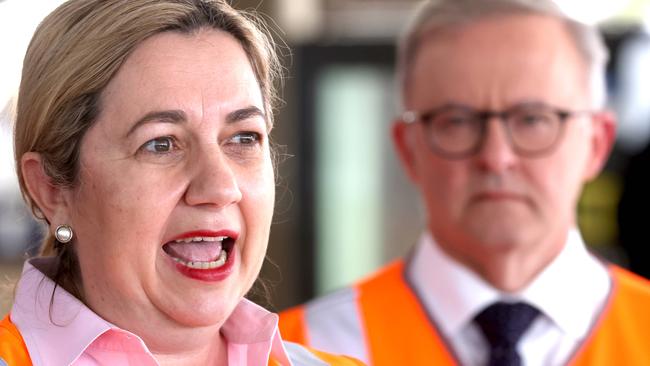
503 125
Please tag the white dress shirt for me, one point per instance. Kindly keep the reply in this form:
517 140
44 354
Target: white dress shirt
570 294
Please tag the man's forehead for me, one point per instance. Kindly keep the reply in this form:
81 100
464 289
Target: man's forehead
496 30
496 55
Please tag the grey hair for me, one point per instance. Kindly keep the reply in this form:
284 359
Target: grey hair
434 16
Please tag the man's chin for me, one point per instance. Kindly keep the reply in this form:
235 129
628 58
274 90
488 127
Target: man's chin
497 234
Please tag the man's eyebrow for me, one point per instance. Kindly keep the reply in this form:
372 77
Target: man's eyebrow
170 116
244 113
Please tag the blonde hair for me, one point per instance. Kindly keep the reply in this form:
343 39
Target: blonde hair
75 53
435 16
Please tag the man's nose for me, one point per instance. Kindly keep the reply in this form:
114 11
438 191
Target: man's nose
214 179
496 153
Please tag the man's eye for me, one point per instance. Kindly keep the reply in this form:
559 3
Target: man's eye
454 121
159 145
458 120
533 119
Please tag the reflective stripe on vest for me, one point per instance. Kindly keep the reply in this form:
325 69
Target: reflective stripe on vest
325 318
302 356
399 331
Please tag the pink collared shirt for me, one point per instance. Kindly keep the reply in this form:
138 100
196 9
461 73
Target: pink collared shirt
69 333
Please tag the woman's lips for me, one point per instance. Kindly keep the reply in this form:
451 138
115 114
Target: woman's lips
203 255
206 233
209 274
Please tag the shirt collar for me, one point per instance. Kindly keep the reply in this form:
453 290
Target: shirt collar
47 322
58 329
253 336
449 290
455 294
572 289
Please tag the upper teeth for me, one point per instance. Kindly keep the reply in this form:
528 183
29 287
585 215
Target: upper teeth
201 238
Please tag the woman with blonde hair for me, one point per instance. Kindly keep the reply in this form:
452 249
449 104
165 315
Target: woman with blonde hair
142 141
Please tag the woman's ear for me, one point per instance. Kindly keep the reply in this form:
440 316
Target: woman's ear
48 197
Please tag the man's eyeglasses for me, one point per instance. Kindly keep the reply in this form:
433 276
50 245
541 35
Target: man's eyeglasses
457 131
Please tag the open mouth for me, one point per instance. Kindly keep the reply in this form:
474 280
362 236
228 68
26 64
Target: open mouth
200 252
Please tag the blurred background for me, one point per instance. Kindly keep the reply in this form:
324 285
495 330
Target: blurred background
344 207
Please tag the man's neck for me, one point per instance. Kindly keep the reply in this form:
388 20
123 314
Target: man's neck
511 272
511 268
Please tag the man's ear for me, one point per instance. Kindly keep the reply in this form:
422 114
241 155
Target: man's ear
404 141
602 141
48 197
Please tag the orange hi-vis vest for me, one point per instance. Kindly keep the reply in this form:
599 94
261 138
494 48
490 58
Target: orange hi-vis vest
387 325
12 347
13 351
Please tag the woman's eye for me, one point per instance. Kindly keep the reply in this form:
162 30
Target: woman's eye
246 138
159 145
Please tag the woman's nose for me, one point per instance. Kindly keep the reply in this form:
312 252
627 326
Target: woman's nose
214 179
496 154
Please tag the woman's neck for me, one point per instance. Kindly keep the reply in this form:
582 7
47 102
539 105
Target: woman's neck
213 353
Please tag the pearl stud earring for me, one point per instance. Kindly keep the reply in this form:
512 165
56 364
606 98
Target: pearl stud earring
63 234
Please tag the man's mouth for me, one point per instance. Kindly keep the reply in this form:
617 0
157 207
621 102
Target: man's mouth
497 195
200 251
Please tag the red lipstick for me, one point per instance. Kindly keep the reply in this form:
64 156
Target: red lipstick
209 233
206 274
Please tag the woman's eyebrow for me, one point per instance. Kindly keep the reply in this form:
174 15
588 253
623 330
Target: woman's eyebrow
178 116
169 116
244 114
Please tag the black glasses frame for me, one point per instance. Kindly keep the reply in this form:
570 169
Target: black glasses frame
484 116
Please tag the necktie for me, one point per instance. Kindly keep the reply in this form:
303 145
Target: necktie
503 325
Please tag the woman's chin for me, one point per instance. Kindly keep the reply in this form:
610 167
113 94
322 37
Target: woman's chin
195 299
203 314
